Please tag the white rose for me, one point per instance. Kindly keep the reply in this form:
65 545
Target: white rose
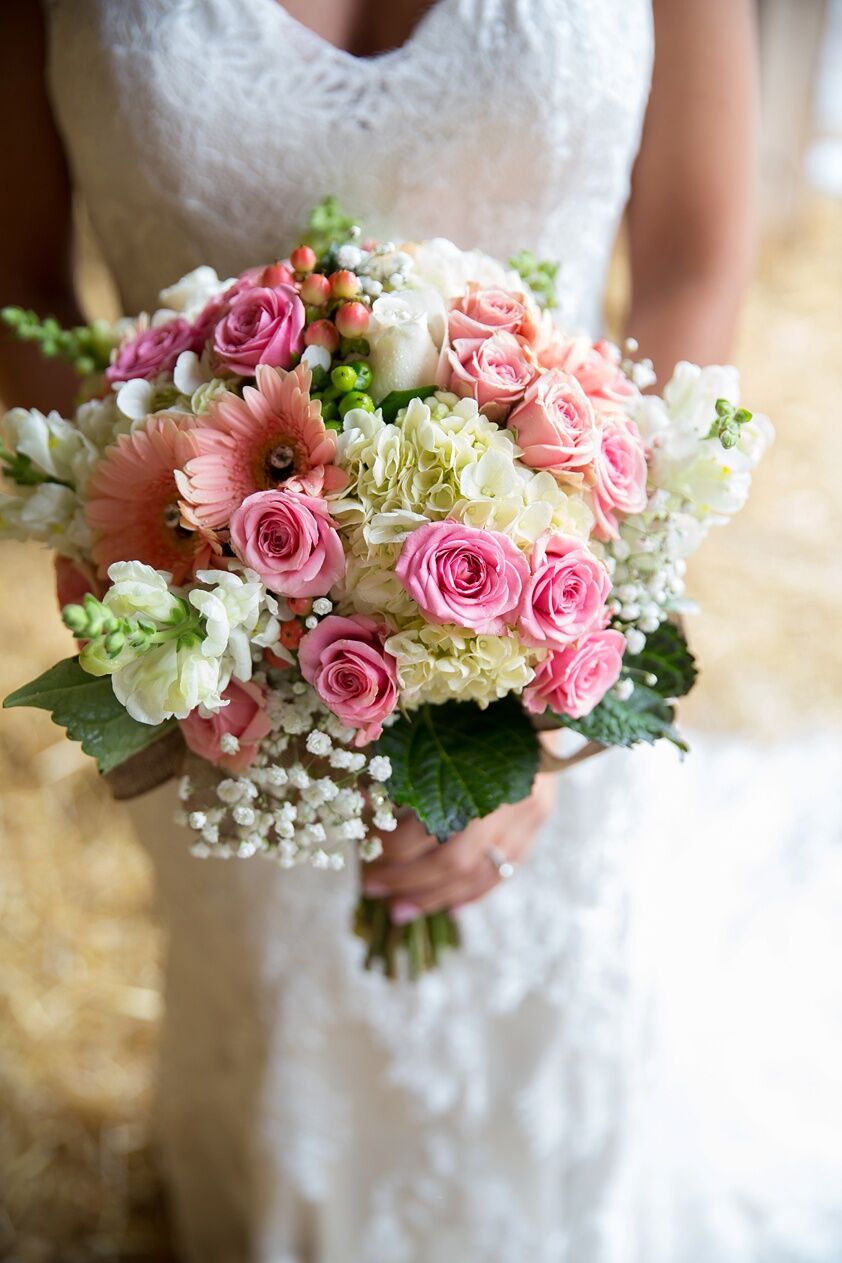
406 335
448 269
191 294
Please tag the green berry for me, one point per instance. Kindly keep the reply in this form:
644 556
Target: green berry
330 411
354 346
344 378
364 374
356 399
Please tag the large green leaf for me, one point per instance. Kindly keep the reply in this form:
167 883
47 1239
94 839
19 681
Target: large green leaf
667 658
397 399
86 706
455 762
645 716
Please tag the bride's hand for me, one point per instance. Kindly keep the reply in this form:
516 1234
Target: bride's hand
418 875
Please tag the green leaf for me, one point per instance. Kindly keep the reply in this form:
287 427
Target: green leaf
455 762
540 275
642 717
397 399
86 706
328 225
667 657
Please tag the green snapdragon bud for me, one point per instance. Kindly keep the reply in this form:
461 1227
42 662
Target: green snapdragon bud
75 618
114 643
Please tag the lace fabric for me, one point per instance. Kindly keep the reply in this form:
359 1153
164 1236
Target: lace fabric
202 131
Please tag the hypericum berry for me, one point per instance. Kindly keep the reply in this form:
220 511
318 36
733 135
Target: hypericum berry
274 274
344 378
291 634
322 333
303 259
355 399
300 604
315 290
344 284
352 320
330 413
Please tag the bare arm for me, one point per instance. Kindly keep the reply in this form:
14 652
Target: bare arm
35 212
691 211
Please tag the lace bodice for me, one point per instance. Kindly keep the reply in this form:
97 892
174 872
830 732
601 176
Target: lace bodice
202 131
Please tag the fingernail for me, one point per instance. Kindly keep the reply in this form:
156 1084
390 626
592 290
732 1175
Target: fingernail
375 889
403 912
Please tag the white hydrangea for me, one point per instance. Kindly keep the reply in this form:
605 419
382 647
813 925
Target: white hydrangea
437 664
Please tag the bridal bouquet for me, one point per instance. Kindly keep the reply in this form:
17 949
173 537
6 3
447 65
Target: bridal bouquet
360 523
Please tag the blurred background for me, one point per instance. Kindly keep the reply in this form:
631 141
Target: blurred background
80 952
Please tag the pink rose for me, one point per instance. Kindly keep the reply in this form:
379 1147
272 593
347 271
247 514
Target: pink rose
621 471
290 540
566 596
482 312
556 426
572 681
464 575
245 717
152 351
495 370
345 661
595 365
262 326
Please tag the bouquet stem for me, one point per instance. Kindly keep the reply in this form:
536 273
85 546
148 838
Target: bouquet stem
420 943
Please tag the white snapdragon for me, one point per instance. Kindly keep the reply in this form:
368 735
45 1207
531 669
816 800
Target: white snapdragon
138 589
168 681
55 446
231 611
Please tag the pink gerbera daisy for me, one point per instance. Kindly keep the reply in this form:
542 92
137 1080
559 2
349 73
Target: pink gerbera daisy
133 503
275 432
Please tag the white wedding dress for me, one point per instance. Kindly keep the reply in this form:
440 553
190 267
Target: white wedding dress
310 1112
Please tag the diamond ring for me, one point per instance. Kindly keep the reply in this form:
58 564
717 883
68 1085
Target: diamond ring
505 867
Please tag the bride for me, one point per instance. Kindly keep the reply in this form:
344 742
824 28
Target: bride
310 1112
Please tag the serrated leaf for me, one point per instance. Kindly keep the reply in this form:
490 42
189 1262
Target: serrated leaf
86 707
644 716
667 657
455 762
397 399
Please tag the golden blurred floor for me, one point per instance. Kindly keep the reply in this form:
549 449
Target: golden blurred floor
79 950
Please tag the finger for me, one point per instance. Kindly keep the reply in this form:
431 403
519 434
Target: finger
451 894
409 840
437 866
